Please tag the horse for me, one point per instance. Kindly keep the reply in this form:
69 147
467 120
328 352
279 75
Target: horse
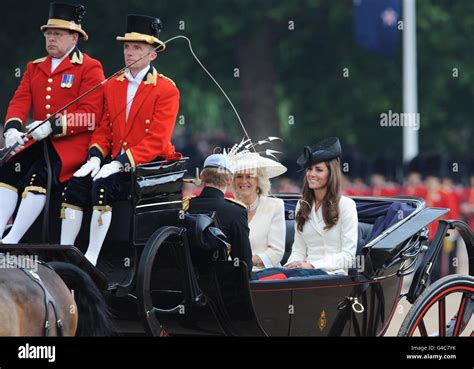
53 299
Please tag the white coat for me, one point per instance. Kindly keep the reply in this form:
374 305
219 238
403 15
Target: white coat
331 250
268 231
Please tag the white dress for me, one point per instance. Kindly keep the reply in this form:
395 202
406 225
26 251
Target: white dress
331 250
268 231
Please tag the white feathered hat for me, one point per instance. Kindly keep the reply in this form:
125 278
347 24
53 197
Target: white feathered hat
243 159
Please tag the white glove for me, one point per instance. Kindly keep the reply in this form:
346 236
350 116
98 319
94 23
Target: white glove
91 167
109 169
41 132
13 136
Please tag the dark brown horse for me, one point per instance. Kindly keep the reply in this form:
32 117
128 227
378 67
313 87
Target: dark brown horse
55 299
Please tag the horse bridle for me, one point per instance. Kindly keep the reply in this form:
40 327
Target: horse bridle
48 299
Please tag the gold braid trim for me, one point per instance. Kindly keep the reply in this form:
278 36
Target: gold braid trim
4 185
33 188
186 203
13 118
65 206
102 209
98 148
130 158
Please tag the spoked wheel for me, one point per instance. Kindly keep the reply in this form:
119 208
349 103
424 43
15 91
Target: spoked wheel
444 309
145 275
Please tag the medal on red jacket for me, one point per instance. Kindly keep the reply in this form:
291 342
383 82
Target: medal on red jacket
66 81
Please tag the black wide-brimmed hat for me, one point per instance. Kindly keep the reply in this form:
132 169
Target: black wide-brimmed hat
66 16
327 149
142 28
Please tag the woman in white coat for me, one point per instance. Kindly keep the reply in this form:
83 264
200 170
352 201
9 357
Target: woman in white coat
266 214
326 222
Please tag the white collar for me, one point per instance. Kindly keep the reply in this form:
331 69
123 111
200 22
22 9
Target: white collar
59 60
139 77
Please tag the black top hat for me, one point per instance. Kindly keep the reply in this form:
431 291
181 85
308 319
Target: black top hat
142 28
66 16
325 150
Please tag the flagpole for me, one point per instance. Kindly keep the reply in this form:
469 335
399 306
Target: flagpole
410 86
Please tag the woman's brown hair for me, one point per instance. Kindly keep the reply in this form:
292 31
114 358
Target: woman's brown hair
330 202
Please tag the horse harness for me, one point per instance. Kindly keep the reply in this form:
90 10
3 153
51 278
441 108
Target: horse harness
48 299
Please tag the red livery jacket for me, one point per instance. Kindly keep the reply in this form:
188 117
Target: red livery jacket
467 205
388 189
147 133
45 92
414 190
436 199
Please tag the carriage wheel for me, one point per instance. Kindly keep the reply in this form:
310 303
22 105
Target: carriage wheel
429 314
144 275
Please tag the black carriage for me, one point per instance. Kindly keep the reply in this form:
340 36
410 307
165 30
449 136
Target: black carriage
165 272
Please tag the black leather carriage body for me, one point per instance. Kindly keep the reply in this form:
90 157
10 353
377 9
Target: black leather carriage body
157 196
158 181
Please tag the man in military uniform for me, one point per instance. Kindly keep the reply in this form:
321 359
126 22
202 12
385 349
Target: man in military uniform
48 84
217 176
141 106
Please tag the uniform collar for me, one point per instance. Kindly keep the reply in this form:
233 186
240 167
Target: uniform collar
75 56
212 192
139 77
151 76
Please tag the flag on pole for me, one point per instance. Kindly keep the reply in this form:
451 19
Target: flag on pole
376 25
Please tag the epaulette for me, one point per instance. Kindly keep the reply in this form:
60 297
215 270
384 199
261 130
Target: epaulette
168 79
186 202
39 60
237 202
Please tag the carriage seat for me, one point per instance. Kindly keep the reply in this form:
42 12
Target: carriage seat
374 219
364 232
296 279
